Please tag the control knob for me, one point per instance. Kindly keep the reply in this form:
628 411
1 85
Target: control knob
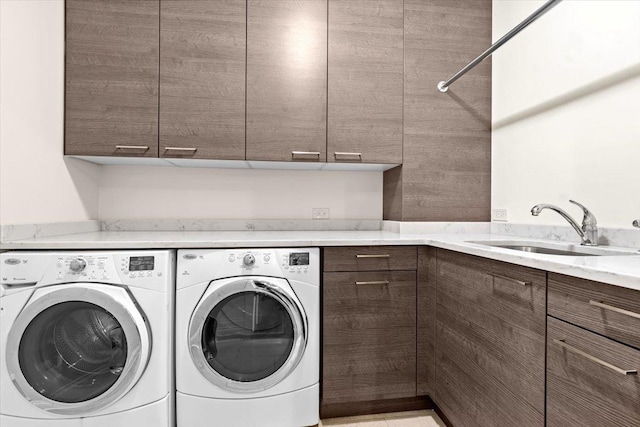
249 260
77 265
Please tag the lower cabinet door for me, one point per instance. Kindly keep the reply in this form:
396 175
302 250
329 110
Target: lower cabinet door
490 342
369 336
589 379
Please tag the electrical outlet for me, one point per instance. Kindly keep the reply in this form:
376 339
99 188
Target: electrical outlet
320 213
499 215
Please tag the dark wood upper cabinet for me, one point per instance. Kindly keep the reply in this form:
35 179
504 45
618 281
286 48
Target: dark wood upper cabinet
446 168
202 79
366 66
286 80
111 98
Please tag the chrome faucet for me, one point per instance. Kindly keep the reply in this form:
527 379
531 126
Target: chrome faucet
636 223
589 230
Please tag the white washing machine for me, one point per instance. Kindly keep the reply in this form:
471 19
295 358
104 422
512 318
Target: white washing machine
86 339
248 337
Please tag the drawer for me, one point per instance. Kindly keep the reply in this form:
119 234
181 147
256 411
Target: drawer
370 258
606 309
583 388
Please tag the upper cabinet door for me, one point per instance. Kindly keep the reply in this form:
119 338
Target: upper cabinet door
286 80
202 79
366 67
111 106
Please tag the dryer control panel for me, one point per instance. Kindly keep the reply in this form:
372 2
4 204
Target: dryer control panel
198 265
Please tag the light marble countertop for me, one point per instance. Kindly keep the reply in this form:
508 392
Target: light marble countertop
213 239
616 270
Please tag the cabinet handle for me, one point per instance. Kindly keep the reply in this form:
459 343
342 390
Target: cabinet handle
305 153
132 147
563 344
510 279
373 256
616 309
180 149
347 155
375 282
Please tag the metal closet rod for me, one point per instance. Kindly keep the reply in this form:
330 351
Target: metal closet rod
443 86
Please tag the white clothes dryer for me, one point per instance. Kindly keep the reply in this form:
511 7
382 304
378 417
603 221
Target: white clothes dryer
86 339
248 337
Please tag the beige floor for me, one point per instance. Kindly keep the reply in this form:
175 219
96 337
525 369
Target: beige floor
395 419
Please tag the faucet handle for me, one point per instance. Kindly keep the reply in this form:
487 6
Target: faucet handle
636 223
589 218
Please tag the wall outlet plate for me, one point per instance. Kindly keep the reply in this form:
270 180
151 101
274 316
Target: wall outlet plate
499 215
320 213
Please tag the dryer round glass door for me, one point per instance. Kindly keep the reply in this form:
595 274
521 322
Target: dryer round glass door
75 349
250 334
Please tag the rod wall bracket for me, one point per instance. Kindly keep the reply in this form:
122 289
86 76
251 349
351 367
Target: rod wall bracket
442 88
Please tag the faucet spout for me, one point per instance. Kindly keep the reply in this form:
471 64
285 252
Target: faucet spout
588 232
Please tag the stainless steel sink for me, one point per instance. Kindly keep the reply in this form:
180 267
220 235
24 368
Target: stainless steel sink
555 248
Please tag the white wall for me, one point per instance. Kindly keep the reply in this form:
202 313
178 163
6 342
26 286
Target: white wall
566 110
36 184
165 192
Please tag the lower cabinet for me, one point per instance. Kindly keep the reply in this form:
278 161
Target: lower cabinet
369 330
593 354
590 379
490 342
369 337
474 334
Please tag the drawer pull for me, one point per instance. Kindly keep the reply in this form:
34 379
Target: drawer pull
375 282
343 155
562 343
180 149
373 256
616 309
295 154
519 282
132 147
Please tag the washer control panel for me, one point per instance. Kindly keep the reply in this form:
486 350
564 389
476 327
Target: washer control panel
137 268
101 267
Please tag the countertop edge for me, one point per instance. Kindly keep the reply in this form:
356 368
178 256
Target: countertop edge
623 271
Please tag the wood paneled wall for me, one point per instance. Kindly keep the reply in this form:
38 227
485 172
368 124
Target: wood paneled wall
446 171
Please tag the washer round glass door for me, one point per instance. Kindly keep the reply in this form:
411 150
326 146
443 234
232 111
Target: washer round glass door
248 335
78 350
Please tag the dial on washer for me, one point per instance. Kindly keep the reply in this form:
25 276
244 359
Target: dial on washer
249 260
78 264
